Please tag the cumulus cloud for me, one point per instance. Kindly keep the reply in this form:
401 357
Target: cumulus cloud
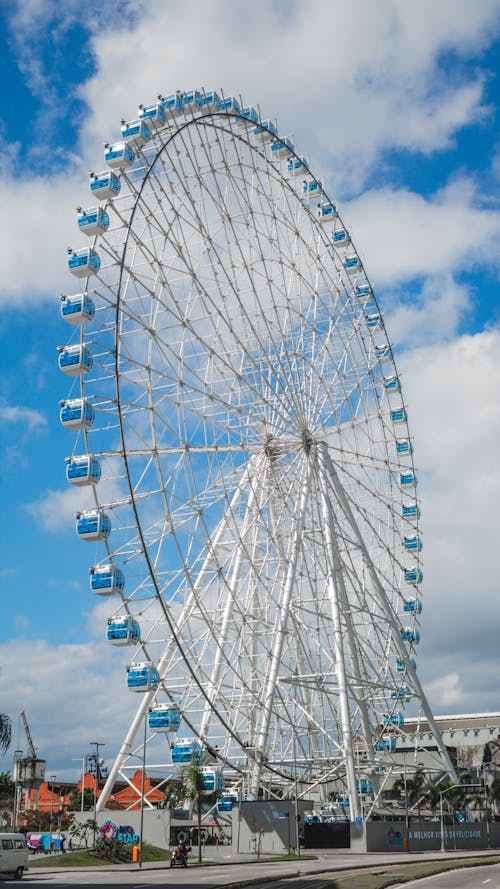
452 393
369 81
31 418
74 689
404 235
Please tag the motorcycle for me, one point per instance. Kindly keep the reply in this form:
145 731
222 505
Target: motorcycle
179 858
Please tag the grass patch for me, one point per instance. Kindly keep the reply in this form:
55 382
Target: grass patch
88 858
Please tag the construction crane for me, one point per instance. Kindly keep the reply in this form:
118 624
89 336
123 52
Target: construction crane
30 770
31 746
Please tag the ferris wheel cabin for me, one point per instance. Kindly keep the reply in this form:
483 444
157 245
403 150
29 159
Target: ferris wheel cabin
123 631
212 779
106 580
118 156
93 221
186 750
77 309
84 262
83 470
153 115
104 186
142 677
76 413
164 718
135 132
75 360
93 525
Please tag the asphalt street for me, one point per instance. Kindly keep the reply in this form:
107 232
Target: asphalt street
310 874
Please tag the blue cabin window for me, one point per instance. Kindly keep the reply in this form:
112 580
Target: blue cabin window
413 575
413 606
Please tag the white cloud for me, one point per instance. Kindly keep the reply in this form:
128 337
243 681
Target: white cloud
445 692
452 394
405 235
70 693
368 80
29 417
431 316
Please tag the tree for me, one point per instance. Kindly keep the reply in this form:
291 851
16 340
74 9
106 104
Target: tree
192 785
413 786
5 732
75 802
7 788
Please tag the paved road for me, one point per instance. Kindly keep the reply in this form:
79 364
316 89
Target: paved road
299 875
473 878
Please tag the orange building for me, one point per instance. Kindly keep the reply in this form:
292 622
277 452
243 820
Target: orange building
58 797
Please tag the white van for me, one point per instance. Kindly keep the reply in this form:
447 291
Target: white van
13 854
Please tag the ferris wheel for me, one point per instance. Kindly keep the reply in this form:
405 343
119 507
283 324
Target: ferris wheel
244 458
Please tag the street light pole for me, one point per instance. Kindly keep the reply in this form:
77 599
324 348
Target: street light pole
52 779
17 754
96 744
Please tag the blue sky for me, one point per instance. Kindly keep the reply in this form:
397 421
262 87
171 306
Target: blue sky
398 106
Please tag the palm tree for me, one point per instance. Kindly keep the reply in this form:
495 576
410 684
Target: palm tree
5 731
412 786
192 786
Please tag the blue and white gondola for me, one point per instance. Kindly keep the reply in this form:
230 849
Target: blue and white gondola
383 352
186 750
398 415
209 102
75 360
142 677
352 264
403 446
412 542
231 104
106 580
164 718
84 262
282 148
410 511
76 413
407 479
312 189
153 115
265 131
104 186
413 575
392 384
93 221
135 132
341 238
413 606
297 166
212 780
374 321
119 155
92 525
326 212
77 309
248 116
123 631
408 634
84 469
